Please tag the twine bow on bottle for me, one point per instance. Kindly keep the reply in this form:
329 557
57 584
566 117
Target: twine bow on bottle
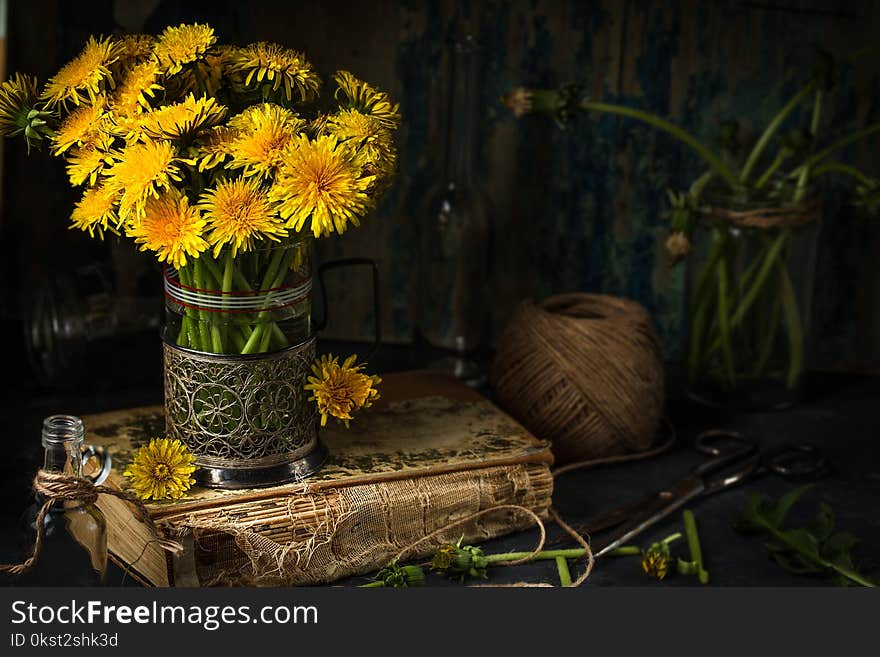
59 487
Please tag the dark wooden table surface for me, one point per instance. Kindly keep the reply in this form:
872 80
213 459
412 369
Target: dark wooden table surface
839 415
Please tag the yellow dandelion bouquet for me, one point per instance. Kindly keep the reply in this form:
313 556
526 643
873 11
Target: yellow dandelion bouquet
225 162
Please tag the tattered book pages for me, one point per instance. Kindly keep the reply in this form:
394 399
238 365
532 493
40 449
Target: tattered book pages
432 451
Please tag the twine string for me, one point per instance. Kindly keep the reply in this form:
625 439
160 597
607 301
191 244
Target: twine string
553 513
769 217
59 487
584 371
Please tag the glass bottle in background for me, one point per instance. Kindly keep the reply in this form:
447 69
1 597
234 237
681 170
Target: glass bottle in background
456 236
74 549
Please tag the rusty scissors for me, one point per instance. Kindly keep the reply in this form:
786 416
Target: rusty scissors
732 458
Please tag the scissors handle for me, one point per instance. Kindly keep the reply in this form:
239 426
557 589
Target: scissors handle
800 461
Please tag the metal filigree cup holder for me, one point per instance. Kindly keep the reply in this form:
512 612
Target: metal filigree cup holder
239 347
246 418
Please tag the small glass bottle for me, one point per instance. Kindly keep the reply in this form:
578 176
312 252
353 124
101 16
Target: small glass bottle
456 239
74 551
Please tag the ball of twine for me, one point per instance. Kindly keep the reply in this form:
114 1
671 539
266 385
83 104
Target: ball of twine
584 371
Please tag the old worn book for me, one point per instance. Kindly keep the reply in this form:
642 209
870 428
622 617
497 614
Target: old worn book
432 451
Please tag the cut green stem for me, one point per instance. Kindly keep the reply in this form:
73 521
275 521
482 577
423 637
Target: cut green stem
770 130
564 572
693 540
708 156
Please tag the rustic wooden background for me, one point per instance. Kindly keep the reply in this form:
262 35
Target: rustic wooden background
575 210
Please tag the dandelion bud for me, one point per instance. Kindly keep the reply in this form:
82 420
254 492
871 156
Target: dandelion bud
518 101
397 576
678 245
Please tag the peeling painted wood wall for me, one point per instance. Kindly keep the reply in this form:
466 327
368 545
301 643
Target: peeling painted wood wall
580 209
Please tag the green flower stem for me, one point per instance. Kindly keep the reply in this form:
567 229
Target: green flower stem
575 553
770 261
770 130
202 339
245 286
625 551
693 539
801 188
837 167
795 331
840 143
781 156
278 270
564 572
373 585
710 158
701 302
700 184
226 288
724 321
215 340
769 338
749 273
185 338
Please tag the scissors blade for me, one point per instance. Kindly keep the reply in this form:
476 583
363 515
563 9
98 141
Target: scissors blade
603 521
670 499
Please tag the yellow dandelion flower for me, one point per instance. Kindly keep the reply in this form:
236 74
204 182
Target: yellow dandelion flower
238 213
171 227
214 146
371 143
161 470
340 389
176 121
86 164
137 88
87 126
96 212
85 77
263 133
17 97
140 172
178 46
318 180
133 48
361 96
269 64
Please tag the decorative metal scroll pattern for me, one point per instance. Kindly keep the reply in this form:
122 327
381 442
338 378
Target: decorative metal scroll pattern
235 410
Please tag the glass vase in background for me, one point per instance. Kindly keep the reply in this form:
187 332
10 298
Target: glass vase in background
750 277
74 547
456 238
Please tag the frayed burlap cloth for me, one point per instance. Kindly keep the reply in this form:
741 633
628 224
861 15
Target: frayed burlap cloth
322 536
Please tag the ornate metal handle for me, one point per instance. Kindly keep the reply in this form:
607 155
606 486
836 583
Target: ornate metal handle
103 456
377 314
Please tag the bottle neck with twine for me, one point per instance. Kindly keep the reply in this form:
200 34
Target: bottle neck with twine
60 483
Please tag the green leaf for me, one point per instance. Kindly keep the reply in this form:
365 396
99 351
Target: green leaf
837 549
823 524
778 513
750 521
802 541
794 563
811 550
